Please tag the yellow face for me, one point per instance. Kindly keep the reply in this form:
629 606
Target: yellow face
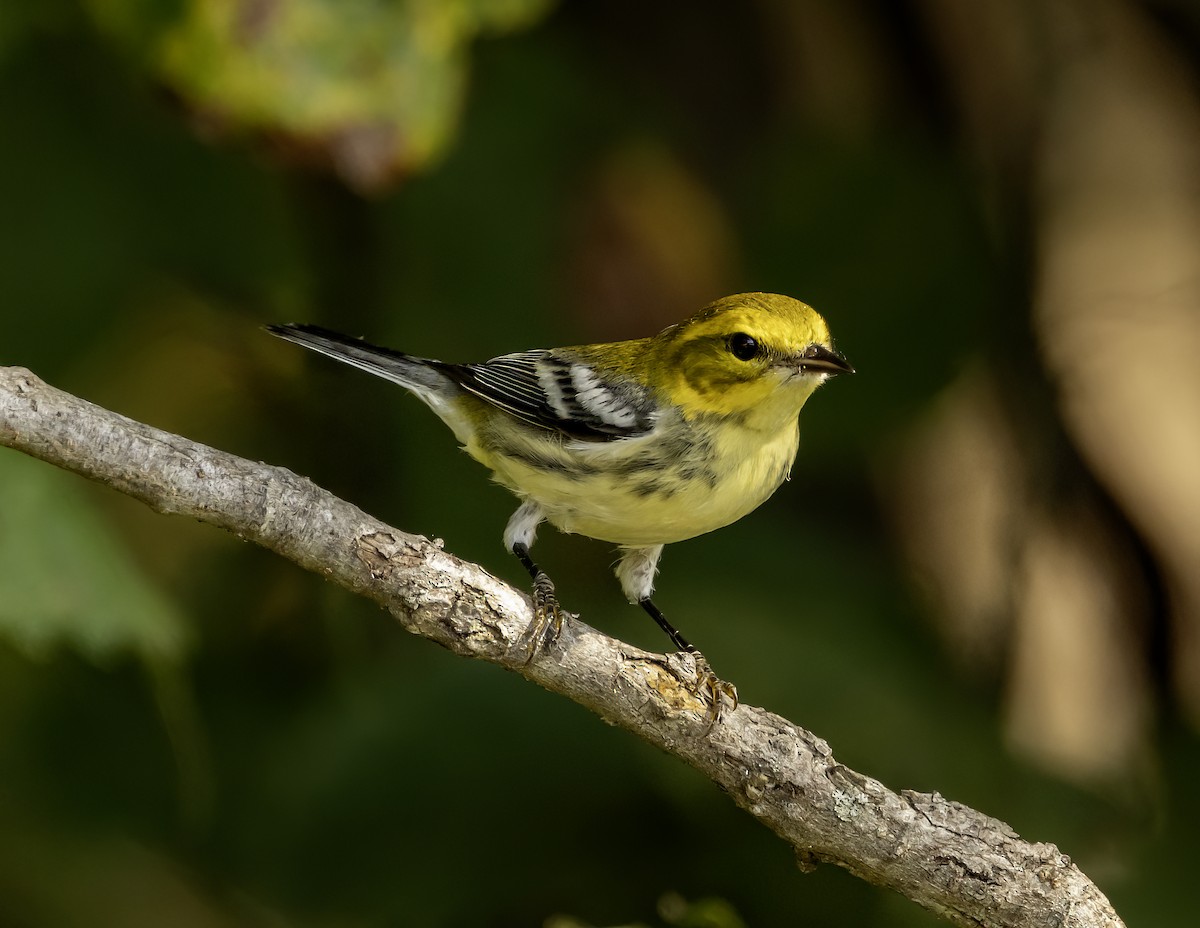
758 354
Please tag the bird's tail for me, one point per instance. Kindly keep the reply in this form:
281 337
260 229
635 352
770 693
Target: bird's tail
420 375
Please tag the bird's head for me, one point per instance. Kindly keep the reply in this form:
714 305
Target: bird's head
756 354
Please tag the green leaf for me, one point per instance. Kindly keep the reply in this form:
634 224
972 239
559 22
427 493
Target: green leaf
374 88
66 579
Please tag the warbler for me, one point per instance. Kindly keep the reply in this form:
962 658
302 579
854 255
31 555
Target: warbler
639 443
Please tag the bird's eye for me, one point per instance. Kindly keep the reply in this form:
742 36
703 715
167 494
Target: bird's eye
743 347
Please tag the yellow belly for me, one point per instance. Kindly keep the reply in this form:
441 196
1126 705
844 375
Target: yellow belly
591 489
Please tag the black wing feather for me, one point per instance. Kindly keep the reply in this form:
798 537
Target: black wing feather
543 388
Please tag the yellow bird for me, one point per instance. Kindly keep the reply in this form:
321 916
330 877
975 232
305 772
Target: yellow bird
639 443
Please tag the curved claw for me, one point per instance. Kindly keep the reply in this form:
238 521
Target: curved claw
712 690
547 622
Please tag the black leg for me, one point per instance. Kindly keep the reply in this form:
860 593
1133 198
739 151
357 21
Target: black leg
547 617
711 688
543 586
672 632
522 553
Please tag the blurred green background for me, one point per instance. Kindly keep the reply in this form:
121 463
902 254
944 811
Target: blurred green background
981 579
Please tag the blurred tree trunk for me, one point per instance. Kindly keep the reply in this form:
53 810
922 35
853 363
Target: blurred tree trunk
1085 123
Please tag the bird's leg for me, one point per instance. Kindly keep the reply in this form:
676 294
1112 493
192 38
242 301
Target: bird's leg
709 687
672 632
547 622
547 615
636 571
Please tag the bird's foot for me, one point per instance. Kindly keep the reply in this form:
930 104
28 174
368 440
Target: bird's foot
711 689
547 622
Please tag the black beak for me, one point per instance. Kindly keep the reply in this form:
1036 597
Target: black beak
824 360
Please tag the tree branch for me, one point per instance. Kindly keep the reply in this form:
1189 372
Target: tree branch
969 868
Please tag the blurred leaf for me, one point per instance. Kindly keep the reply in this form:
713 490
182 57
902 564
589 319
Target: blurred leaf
66 580
371 88
65 879
712 912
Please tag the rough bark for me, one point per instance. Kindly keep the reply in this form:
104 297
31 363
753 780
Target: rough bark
960 863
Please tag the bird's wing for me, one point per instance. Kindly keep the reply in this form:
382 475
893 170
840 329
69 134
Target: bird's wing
555 391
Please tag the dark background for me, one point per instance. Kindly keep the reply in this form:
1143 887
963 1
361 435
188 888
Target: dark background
976 582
